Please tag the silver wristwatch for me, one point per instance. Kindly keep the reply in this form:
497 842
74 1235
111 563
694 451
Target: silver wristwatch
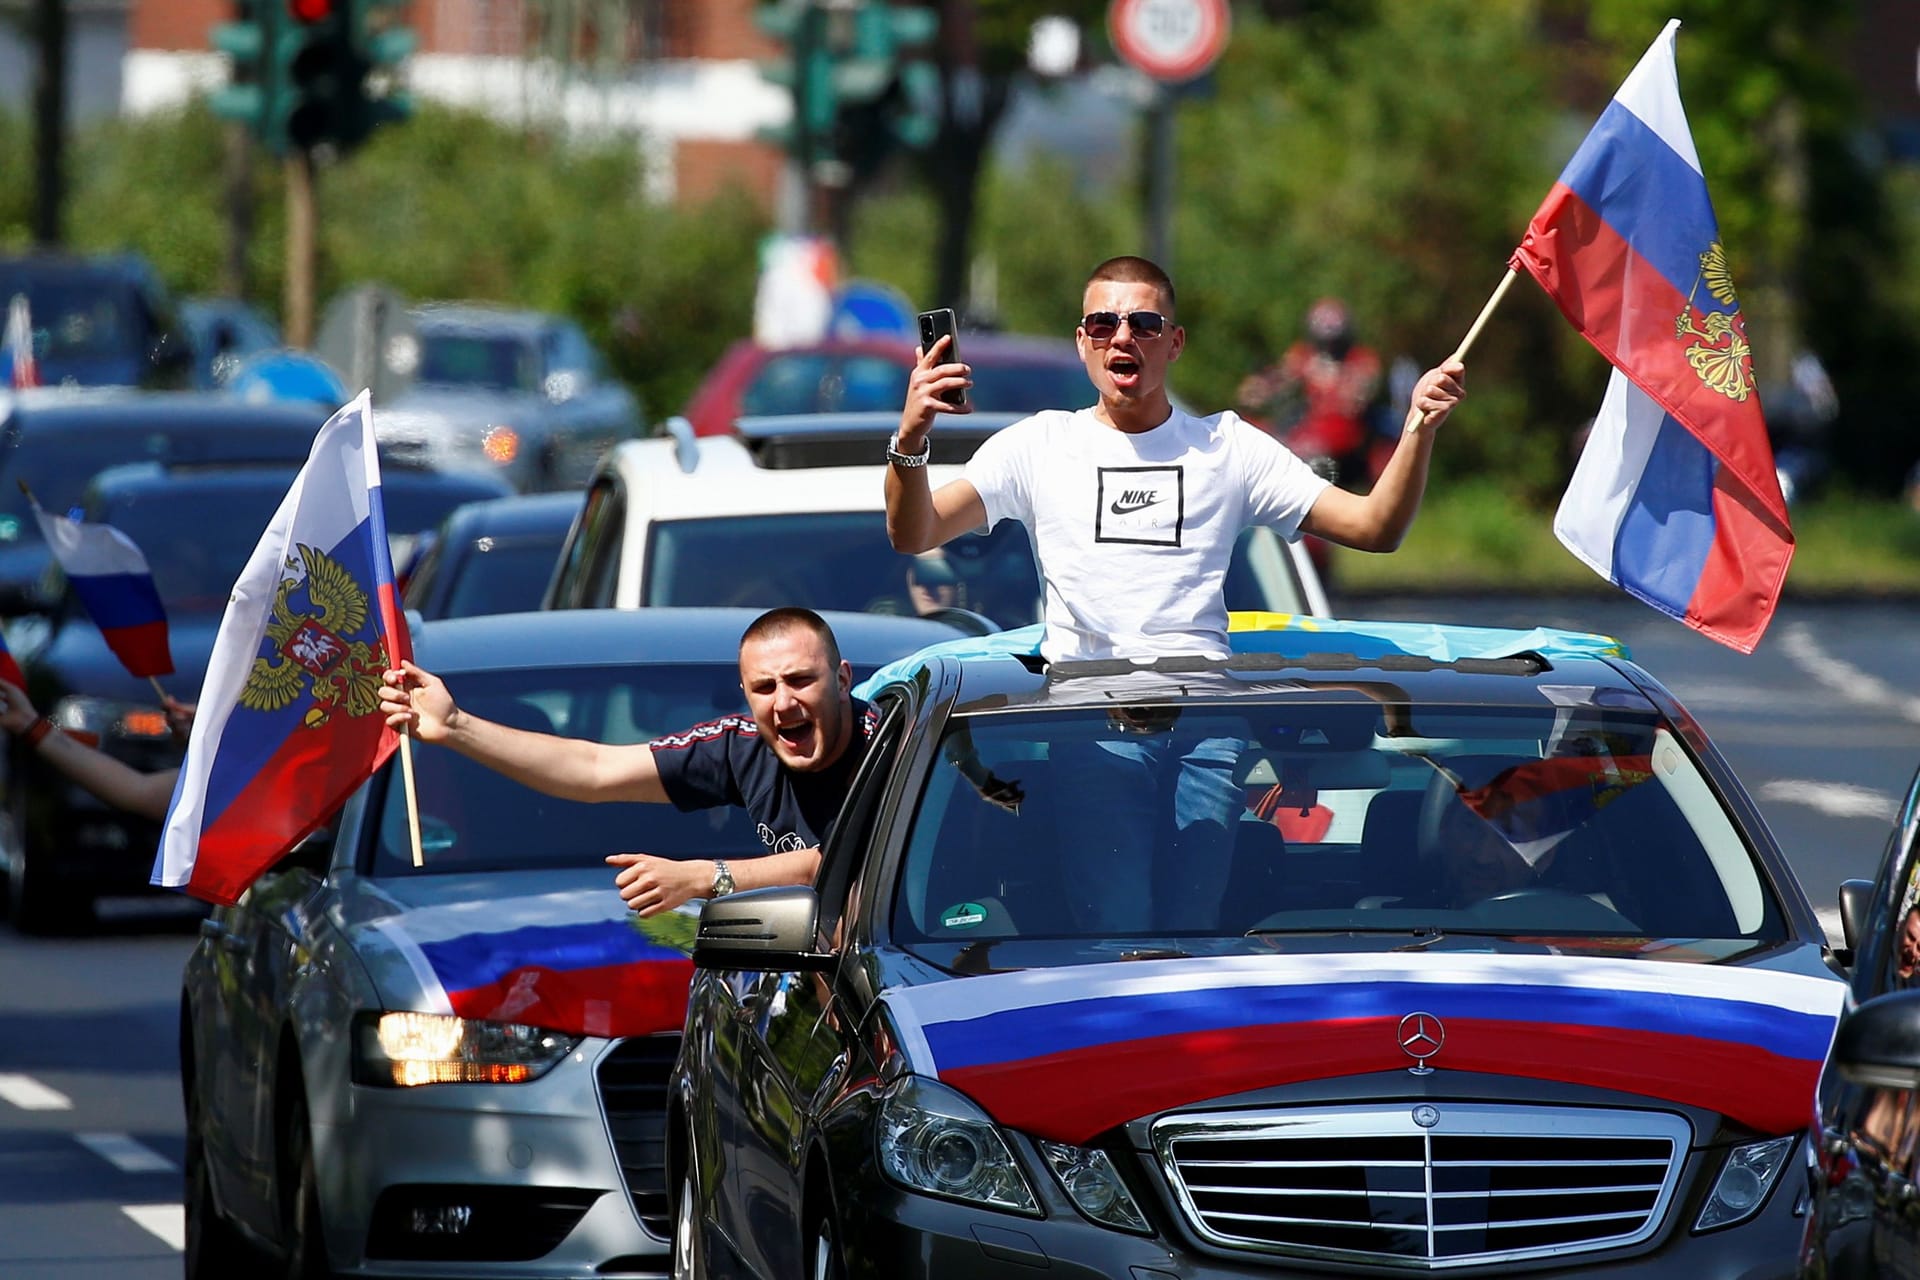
722 879
900 459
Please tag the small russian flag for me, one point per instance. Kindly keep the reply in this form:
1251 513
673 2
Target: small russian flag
110 576
22 372
9 669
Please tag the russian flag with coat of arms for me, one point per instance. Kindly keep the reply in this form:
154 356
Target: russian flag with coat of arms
1675 498
110 577
289 721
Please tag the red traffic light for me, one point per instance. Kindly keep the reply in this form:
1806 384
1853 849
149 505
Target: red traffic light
310 11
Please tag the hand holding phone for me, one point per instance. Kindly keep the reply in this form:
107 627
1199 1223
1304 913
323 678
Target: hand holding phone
933 325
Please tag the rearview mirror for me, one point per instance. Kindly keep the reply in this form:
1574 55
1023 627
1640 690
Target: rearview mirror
761 930
1856 899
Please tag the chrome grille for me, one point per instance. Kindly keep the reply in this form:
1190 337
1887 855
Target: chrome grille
633 1090
1484 1184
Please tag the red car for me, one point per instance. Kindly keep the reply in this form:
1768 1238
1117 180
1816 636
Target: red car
1011 374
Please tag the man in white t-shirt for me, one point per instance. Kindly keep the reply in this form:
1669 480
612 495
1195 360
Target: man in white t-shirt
1134 508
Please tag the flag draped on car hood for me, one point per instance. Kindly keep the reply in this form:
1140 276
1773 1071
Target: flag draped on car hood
110 577
1675 498
1068 1053
289 721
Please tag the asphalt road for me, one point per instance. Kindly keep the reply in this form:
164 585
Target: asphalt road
1822 724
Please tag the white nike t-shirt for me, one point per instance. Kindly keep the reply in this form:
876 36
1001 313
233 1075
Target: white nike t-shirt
1134 532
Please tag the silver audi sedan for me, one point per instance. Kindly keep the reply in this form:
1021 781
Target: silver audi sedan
458 1068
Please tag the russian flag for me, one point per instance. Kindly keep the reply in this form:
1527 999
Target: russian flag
10 669
1675 498
289 721
22 371
110 577
1536 804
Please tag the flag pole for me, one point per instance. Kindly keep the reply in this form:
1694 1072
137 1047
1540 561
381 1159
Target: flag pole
1417 419
157 690
413 798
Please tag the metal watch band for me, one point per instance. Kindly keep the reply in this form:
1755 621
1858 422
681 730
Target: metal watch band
722 878
900 459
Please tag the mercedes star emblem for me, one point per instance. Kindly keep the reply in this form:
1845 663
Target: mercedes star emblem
1426 1115
1421 1035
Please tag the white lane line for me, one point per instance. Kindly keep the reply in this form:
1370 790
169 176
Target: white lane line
1834 799
168 1221
124 1154
1844 678
29 1094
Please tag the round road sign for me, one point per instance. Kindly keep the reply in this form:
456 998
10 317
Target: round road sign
1170 40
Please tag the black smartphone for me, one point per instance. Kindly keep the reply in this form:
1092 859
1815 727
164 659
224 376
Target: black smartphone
932 325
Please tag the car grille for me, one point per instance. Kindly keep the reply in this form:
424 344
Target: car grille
633 1091
1474 1184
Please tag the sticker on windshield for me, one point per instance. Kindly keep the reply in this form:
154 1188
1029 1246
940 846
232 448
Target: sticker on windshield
964 916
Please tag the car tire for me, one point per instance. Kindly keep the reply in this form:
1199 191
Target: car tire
824 1260
687 1262
305 1240
215 1249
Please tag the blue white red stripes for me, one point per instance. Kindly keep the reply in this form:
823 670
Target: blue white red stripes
1627 245
110 577
10 667
22 371
288 721
572 961
1067 1053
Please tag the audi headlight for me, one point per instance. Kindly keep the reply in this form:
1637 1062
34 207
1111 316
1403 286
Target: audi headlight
1745 1179
403 1049
936 1140
1094 1185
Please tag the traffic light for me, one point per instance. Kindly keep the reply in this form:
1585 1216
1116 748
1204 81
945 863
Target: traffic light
251 97
855 94
310 73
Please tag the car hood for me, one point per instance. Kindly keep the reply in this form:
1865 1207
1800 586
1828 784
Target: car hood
552 948
1067 1053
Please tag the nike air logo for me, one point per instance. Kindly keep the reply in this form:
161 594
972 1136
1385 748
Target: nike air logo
1133 500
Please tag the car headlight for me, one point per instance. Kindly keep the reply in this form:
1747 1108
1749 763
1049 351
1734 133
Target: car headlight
936 1140
1094 1185
500 443
94 720
397 1050
1745 1179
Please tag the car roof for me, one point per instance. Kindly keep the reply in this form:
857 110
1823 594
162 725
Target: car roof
600 637
135 478
725 481
446 317
795 440
48 408
515 514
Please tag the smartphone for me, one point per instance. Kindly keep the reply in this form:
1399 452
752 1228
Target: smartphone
932 325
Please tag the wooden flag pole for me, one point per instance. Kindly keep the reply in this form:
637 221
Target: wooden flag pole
413 798
158 691
1416 419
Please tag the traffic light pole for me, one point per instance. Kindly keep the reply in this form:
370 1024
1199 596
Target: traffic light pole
298 301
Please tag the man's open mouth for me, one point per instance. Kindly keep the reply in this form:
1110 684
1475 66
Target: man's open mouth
795 735
1123 367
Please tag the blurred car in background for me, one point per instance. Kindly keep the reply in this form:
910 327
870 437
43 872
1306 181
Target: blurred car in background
197 526
99 321
55 439
1012 374
359 1098
224 332
792 510
495 556
523 394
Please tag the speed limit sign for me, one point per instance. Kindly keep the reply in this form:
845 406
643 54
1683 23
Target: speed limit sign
1170 40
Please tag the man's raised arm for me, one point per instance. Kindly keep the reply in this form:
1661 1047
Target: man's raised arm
1379 519
918 517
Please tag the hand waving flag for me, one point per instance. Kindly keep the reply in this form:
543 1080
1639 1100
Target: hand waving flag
289 719
1675 498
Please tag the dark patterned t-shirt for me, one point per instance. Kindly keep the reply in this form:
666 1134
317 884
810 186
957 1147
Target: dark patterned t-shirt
726 761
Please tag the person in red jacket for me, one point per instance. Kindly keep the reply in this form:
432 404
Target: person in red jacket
1319 396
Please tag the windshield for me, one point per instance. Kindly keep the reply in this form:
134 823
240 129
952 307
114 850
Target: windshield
473 819
499 576
95 315
479 360
1029 388
1279 825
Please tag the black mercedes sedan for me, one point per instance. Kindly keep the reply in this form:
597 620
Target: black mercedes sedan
1374 949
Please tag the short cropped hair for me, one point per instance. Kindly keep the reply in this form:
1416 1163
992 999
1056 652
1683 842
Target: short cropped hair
1127 269
777 622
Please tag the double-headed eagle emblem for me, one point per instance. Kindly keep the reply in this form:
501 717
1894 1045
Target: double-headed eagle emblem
1727 368
317 648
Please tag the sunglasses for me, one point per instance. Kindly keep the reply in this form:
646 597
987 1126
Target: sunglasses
1102 325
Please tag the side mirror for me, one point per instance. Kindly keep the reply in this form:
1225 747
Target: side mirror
1878 1044
761 930
1856 899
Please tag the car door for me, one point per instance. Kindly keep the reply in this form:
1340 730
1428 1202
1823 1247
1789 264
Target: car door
1868 1224
793 1045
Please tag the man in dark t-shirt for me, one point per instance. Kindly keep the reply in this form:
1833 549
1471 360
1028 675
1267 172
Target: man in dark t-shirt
788 764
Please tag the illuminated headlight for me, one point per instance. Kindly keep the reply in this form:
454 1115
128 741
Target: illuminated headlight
94 720
500 444
1094 1185
402 1049
1745 1179
935 1140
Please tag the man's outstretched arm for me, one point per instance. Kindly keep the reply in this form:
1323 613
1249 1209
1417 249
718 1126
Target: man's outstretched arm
651 885
1380 518
570 768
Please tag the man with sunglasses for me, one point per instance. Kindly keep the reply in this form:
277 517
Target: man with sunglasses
1134 508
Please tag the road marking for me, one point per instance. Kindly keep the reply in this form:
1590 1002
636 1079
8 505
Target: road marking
29 1094
124 1154
1843 677
168 1221
1834 799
